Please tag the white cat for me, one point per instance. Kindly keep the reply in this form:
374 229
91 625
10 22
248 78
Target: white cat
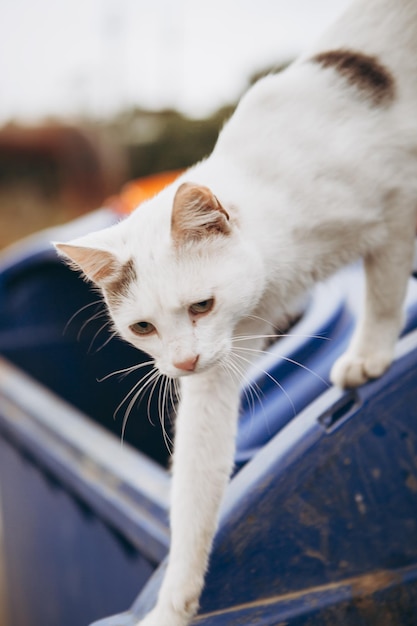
317 167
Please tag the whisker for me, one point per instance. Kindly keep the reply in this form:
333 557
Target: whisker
248 389
80 310
161 402
231 370
160 406
109 338
96 316
228 367
167 440
171 400
261 319
307 369
175 398
152 391
278 336
97 334
288 360
142 383
274 380
126 371
251 390
151 376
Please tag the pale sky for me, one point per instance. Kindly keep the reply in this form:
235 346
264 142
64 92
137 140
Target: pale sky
66 57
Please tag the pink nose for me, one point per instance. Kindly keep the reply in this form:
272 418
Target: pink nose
188 365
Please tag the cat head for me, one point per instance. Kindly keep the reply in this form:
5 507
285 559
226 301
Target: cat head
177 276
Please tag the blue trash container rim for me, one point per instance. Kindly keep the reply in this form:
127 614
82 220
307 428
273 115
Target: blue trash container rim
127 489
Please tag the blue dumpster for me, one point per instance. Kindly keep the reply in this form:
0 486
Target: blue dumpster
319 524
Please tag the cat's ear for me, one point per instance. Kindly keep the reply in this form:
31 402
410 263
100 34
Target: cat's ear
97 265
197 213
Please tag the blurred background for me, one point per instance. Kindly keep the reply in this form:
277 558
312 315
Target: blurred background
94 93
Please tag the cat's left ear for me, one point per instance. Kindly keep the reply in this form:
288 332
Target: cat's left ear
197 213
97 265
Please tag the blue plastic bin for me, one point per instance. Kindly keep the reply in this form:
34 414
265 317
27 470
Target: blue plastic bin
319 524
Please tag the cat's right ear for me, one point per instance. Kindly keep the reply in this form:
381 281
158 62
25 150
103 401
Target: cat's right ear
97 265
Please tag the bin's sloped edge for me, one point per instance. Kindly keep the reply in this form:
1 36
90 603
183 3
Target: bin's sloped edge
143 603
313 606
125 488
325 604
125 619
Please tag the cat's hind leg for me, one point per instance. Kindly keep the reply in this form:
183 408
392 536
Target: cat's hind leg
371 349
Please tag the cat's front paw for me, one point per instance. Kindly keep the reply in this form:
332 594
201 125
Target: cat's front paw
178 610
352 370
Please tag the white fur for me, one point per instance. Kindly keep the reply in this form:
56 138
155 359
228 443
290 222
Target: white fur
312 177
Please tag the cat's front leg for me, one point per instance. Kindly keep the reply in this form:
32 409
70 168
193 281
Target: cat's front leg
371 349
203 460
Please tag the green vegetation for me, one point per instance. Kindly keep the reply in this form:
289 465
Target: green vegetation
165 140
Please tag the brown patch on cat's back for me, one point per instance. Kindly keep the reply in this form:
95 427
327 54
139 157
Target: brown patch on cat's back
373 79
120 284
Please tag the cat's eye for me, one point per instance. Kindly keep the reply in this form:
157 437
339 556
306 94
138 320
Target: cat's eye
143 328
201 308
